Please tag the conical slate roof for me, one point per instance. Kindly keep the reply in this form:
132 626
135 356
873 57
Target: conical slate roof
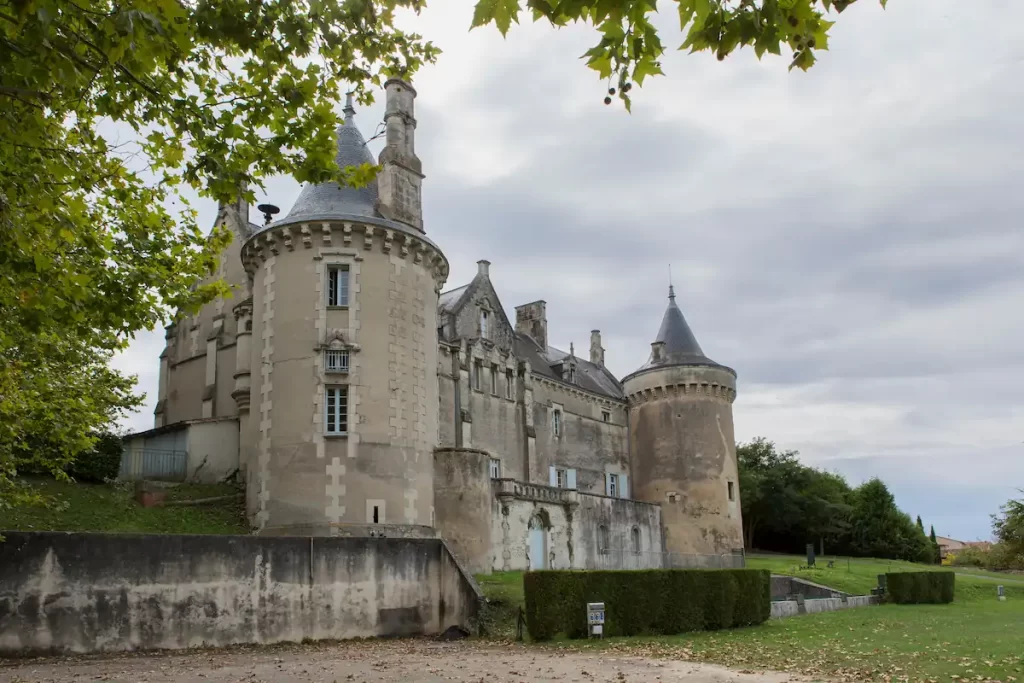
680 346
329 201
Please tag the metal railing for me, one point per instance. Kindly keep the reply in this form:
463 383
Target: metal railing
154 463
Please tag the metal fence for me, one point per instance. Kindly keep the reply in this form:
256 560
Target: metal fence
154 463
621 558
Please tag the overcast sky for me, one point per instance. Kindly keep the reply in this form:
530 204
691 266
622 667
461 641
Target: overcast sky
849 239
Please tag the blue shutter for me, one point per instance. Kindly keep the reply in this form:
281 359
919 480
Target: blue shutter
624 486
570 479
553 476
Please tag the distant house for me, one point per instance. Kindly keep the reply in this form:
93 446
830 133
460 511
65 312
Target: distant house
947 545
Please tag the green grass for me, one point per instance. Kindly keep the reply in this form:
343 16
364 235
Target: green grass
504 593
112 508
859 575
976 638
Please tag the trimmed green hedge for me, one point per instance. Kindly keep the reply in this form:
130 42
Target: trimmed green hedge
646 602
906 588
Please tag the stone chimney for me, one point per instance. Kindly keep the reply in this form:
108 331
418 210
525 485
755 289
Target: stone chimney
483 267
596 350
532 320
400 181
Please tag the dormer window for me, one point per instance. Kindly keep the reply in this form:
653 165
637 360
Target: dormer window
572 374
484 320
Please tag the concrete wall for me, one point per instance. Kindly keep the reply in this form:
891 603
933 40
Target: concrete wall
298 473
784 587
620 517
463 504
792 608
212 450
684 455
80 593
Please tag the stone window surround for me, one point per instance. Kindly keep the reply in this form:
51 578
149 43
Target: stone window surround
338 434
342 266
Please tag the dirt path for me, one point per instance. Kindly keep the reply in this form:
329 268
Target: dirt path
375 662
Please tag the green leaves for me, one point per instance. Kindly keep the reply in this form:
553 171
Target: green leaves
220 94
630 47
501 12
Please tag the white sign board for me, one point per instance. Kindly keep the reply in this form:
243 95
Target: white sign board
595 618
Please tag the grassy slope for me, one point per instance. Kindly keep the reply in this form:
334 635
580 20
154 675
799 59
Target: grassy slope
857 575
100 507
976 637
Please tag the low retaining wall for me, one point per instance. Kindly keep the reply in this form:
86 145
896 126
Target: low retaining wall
81 593
788 587
791 608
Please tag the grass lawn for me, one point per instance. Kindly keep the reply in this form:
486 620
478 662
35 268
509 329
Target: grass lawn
112 508
859 575
976 638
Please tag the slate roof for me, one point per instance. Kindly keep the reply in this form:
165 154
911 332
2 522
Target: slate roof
681 347
589 376
330 200
450 299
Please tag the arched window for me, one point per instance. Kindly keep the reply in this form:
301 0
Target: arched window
635 535
602 539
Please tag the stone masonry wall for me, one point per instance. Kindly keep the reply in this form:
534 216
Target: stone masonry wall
83 593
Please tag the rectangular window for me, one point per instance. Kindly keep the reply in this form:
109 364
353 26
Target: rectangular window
556 422
508 384
336 410
613 485
337 286
336 360
478 369
732 491
494 379
561 479
484 319
606 416
495 468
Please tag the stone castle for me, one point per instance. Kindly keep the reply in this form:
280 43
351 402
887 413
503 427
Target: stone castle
353 397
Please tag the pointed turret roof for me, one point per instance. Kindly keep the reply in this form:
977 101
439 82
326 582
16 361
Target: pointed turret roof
678 346
330 201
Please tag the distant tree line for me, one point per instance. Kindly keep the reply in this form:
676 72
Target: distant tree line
1008 550
787 505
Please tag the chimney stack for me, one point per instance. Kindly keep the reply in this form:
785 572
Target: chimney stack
532 320
596 350
400 181
483 267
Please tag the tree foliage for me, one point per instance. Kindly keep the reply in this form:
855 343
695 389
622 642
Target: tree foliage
630 48
786 505
213 95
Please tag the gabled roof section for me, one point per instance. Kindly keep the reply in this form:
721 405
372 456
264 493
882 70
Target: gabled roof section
589 376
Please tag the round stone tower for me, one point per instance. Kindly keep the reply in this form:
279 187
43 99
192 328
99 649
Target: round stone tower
682 444
343 391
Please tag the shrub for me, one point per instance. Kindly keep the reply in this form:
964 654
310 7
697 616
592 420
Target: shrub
907 588
100 464
647 602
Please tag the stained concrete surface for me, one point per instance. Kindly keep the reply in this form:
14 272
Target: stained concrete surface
374 661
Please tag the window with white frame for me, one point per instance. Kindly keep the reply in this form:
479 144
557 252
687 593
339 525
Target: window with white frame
484 320
494 379
336 360
336 410
508 384
495 468
613 485
556 422
561 479
337 286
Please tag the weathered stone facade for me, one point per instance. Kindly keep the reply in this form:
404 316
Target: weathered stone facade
367 399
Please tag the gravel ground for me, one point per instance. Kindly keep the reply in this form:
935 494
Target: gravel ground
377 661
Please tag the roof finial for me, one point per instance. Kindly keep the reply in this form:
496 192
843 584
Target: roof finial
671 290
350 111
